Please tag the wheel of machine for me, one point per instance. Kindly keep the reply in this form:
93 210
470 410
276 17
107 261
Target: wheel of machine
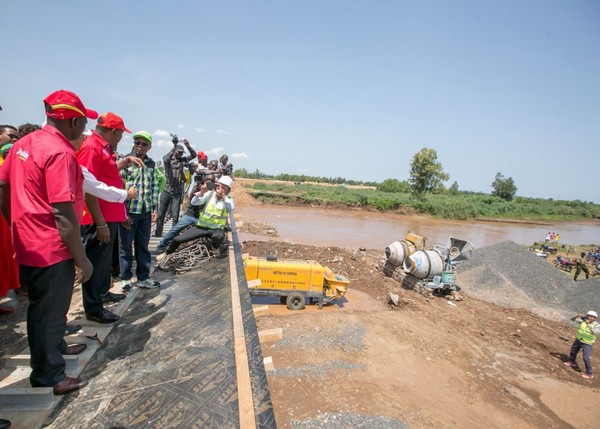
283 299
295 301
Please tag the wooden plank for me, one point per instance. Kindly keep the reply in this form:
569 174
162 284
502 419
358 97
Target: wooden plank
245 399
268 363
260 310
26 398
270 335
71 361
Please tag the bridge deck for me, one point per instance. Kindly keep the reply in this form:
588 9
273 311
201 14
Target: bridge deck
184 356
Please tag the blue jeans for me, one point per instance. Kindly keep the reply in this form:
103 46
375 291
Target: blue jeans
139 236
186 220
587 354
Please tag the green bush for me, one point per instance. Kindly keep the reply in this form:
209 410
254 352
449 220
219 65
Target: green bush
464 205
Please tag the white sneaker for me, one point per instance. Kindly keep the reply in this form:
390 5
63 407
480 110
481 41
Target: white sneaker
149 283
126 285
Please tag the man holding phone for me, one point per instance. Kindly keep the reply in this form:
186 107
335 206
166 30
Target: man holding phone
586 336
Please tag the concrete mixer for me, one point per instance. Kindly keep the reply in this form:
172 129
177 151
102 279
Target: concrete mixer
436 267
397 252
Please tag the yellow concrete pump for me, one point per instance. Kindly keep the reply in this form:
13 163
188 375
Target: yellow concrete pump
293 281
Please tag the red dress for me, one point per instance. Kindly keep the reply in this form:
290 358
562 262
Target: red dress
9 269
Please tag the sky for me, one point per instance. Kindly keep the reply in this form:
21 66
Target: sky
334 88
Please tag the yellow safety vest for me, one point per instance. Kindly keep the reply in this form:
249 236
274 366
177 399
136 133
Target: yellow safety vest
214 215
585 334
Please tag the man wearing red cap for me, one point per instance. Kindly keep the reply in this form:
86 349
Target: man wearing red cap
41 193
99 228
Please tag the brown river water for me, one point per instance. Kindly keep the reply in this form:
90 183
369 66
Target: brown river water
357 229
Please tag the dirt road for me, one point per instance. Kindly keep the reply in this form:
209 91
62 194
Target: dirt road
428 363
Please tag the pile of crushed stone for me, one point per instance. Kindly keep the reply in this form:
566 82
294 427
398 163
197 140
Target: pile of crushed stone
510 276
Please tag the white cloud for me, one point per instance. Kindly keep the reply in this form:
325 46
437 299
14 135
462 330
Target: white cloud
161 133
215 151
241 155
180 126
200 130
220 131
162 143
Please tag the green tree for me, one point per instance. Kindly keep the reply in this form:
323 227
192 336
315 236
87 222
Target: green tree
504 188
394 186
453 189
426 173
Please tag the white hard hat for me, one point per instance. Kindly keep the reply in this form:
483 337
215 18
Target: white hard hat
592 313
226 180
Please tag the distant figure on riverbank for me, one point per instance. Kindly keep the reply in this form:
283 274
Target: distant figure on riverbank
581 266
548 237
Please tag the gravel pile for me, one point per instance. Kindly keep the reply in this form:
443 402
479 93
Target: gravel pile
345 420
508 275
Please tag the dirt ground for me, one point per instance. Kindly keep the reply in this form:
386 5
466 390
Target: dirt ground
427 363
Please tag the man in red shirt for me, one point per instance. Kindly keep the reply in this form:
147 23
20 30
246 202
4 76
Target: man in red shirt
41 196
98 155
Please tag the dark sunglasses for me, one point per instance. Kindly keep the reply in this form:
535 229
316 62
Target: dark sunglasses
13 136
140 143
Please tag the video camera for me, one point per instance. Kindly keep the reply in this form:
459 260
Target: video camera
205 178
174 138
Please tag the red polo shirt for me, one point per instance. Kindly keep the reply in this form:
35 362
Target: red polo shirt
98 157
42 170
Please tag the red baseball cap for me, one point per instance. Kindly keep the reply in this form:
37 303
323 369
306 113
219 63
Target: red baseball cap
112 121
202 155
64 104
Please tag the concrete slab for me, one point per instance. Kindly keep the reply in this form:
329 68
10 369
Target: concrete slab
26 398
170 361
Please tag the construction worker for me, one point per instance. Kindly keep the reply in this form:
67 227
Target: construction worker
212 220
586 336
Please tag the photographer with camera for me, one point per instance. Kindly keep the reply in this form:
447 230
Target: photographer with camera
191 215
170 198
197 173
216 207
586 336
224 166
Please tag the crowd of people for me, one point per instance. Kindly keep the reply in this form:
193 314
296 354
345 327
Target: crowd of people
71 203
552 237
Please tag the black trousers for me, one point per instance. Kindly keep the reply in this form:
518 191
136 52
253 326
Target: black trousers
100 255
217 237
50 291
170 202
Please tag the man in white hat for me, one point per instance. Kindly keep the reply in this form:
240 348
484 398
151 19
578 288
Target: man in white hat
212 221
586 336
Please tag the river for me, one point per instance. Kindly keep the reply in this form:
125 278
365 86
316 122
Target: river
356 229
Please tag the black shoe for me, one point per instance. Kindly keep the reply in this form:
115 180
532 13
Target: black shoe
158 235
113 297
103 316
4 424
159 250
72 329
